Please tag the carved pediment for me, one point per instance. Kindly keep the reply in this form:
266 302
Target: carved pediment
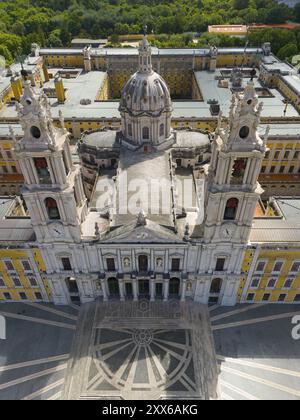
151 233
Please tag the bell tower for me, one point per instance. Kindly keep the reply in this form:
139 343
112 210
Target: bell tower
232 193
233 189
53 189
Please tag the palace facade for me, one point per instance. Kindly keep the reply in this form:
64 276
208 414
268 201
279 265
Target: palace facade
191 198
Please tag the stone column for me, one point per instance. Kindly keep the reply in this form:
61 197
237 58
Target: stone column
183 290
152 290
135 290
166 290
104 291
121 290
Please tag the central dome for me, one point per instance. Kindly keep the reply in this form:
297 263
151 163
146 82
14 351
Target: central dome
146 105
146 93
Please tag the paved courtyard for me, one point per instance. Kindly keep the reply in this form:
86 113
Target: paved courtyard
142 350
257 356
149 350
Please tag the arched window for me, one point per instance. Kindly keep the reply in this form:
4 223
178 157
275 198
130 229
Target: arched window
41 166
231 209
161 130
146 133
52 209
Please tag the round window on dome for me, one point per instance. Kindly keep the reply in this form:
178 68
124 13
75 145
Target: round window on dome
35 132
244 132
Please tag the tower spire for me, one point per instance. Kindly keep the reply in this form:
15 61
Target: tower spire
35 117
145 62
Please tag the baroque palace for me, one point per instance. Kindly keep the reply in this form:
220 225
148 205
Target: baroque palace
181 181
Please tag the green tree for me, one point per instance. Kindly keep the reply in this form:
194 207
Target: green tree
287 52
4 51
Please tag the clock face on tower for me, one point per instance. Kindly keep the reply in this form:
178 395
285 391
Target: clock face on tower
57 230
227 231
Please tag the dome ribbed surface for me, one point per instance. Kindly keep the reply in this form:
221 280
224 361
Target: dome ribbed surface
146 93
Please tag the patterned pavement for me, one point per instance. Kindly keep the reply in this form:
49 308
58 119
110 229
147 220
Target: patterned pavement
149 351
142 350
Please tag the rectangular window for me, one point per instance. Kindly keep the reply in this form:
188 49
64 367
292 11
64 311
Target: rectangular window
14 169
282 169
295 267
255 283
266 297
26 265
38 296
110 262
296 155
288 283
263 169
276 155
8 154
17 282
260 266
272 170
2 284
32 281
271 283
9 265
23 296
287 154
66 264
7 296
297 298
291 170
278 266
282 297
220 264
175 264
250 297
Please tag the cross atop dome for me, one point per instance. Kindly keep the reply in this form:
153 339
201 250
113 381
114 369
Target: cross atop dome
145 64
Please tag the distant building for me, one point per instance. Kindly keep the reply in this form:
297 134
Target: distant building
259 27
83 42
232 30
243 30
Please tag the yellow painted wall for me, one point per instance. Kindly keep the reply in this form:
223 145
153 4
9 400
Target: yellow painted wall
271 256
16 256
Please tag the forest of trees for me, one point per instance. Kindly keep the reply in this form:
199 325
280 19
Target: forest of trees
55 22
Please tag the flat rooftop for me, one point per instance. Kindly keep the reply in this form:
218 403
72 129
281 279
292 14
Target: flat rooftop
208 85
82 89
155 51
284 227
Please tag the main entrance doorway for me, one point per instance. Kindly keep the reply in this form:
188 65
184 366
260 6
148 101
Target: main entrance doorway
215 290
144 288
113 287
73 289
158 290
174 287
128 290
